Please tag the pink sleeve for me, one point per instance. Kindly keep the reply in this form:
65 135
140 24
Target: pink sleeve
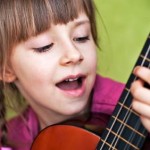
106 94
5 148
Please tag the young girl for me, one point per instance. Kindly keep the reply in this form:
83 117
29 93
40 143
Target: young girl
48 55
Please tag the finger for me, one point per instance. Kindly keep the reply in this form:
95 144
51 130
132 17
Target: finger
146 122
143 73
139 92
141 108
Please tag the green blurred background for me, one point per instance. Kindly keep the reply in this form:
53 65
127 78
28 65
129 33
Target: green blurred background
123 27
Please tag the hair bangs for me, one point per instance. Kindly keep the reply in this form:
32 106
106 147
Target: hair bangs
22 19
66 10
28 18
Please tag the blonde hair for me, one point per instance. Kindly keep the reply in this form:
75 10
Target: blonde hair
21 19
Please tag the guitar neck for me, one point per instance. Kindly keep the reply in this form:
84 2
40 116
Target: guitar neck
125 130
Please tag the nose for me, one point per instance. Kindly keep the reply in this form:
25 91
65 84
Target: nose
71 55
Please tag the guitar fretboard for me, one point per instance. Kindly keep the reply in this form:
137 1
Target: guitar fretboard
125 130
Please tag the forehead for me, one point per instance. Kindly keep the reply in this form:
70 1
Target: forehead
81 19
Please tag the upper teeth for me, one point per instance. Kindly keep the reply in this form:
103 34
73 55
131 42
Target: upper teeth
69 80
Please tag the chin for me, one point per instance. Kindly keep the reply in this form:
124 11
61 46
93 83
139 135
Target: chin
76 110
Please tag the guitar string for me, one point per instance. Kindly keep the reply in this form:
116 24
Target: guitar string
148 67
104 141
128 114
118 114
127 146
138 124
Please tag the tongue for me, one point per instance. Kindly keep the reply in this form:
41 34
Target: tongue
69 85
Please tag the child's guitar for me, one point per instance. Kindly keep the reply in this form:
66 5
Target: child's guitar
124 129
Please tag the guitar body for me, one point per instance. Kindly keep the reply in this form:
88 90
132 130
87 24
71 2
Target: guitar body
65 137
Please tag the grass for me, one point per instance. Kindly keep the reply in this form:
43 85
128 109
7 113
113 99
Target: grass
125 27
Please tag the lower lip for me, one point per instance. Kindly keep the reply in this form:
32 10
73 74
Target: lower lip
75 93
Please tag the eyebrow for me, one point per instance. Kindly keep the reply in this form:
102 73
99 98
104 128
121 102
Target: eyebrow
81 22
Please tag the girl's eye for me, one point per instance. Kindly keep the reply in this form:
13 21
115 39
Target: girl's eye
82 39
44 48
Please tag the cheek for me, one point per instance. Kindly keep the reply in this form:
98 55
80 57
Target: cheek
37 74
31 70
91 57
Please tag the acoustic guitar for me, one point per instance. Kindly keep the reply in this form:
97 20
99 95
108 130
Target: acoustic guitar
123 131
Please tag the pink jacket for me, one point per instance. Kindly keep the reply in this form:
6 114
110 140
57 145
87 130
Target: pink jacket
106 93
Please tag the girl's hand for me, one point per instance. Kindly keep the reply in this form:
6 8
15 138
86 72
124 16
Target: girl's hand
141 95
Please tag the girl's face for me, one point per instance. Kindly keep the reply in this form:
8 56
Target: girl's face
55 71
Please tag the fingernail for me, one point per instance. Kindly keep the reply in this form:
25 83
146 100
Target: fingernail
136 69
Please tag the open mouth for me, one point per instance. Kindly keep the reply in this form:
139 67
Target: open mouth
71 83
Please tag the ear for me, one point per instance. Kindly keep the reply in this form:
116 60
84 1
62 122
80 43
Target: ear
8 76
